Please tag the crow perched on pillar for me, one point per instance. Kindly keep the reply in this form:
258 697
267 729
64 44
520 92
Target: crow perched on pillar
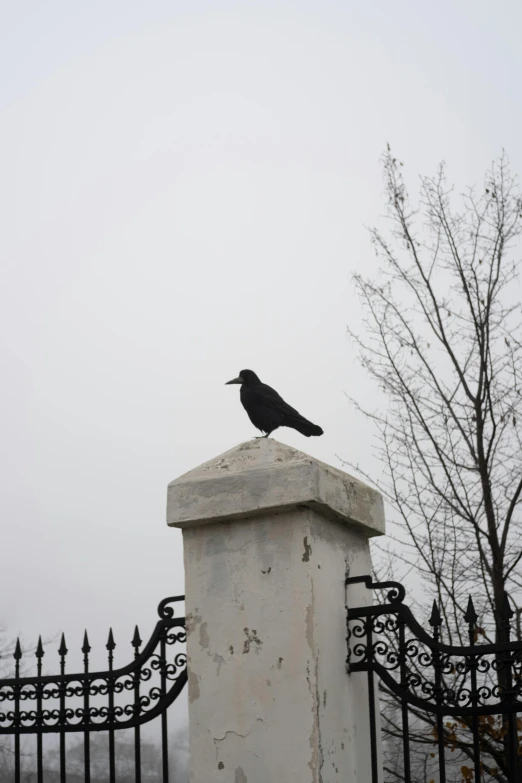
267 410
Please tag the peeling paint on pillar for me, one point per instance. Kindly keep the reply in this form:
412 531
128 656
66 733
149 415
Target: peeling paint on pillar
251 638
203 636
193 686
310 625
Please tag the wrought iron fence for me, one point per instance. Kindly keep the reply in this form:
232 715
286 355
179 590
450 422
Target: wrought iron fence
460 702
94 701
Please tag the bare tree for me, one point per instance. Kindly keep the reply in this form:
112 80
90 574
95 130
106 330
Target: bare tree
443 341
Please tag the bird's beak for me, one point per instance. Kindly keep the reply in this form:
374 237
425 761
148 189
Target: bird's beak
234 380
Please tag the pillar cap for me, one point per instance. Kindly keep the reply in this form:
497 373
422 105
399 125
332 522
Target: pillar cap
263 476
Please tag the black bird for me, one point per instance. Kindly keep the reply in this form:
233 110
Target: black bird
267 410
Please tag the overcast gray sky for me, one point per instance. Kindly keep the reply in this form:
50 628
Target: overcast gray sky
184 191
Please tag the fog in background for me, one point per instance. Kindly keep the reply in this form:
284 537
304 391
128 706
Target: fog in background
184 192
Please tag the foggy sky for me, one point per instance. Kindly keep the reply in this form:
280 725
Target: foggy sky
184 192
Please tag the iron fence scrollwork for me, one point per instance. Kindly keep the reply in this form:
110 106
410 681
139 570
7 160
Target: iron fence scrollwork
469 694
93 701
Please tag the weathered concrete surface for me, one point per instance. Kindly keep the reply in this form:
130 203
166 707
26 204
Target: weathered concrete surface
269 697
264 475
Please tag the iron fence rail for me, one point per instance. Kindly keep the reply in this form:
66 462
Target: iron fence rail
467 683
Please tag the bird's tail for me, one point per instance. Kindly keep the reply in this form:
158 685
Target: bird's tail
303 426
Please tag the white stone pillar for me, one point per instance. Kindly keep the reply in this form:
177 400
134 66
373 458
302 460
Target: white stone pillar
269 534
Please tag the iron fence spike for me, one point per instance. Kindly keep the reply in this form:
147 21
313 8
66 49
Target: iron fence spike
111 644
86 647
470 615
62 649
18 650
136 641
39 648
435 617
